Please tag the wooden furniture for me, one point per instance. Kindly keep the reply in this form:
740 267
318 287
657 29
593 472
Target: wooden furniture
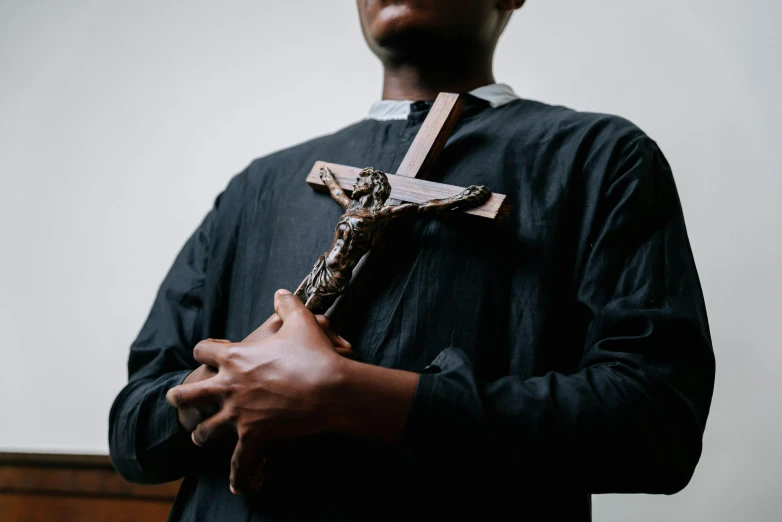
65 488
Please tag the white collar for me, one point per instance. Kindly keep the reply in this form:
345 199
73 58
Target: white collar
497 94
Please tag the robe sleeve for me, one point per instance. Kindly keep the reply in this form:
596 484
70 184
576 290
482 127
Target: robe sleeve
146 442
631 418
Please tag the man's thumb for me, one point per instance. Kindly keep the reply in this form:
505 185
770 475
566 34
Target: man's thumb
287 305
270 327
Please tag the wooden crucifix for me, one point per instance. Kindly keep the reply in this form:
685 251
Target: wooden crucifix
377 199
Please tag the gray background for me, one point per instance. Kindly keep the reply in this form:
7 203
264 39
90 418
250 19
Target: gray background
121 121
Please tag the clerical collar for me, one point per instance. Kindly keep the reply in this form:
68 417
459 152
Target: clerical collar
497 94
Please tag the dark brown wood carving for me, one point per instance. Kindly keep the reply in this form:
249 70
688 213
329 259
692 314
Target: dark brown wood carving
360 230
361 227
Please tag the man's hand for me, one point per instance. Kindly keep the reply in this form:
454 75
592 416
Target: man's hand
271 386
190 418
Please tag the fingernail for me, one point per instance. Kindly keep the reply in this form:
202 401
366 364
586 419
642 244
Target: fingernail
282 291
233 490
344 341
192 437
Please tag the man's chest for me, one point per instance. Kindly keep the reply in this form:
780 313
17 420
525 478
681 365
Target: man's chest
440 282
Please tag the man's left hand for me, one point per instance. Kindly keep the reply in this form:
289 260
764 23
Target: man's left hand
273 387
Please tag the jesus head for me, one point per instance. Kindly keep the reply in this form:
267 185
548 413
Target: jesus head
374 183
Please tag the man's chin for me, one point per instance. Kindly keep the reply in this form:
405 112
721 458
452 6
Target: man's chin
395 23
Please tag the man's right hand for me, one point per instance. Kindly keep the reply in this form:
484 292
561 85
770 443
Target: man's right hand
189 418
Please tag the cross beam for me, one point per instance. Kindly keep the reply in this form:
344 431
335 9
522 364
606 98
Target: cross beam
406 189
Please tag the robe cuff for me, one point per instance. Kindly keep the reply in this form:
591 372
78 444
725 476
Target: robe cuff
165 420
161 444
446 412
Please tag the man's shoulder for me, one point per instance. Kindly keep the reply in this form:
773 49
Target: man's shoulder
594 144
561 123
276 166
315 147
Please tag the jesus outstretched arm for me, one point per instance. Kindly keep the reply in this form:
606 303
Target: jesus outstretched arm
336 192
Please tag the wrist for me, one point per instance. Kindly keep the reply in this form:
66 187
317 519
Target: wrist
341 416
370 401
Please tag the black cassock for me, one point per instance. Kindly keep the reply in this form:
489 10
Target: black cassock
564 352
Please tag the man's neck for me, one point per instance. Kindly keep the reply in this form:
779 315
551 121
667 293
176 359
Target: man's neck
414 82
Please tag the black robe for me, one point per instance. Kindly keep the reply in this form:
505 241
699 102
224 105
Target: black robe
564 352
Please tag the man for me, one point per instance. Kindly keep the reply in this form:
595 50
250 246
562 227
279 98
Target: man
507 370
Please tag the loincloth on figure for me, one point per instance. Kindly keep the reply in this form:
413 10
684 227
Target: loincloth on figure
324 282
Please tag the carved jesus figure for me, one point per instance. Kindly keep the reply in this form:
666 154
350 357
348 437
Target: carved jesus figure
361 226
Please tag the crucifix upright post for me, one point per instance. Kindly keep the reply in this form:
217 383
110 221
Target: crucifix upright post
430 141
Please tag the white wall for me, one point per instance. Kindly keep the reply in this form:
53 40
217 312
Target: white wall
120 122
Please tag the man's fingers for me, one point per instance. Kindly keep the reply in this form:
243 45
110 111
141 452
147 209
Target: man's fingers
192 417
210 351
194 395
270 327
244 463
212 428
287 305
337 340
256 480
345 352
324 322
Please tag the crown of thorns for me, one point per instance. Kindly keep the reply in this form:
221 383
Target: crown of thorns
381 188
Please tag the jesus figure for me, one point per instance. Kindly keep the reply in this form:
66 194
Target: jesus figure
361 227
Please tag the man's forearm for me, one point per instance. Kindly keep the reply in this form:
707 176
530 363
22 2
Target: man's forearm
146 442
371 401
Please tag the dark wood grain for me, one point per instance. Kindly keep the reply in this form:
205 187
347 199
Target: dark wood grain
67 460
80 474
408 190
430 140
80 481
54 508
63 487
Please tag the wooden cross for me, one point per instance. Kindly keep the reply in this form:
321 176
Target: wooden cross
409 184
